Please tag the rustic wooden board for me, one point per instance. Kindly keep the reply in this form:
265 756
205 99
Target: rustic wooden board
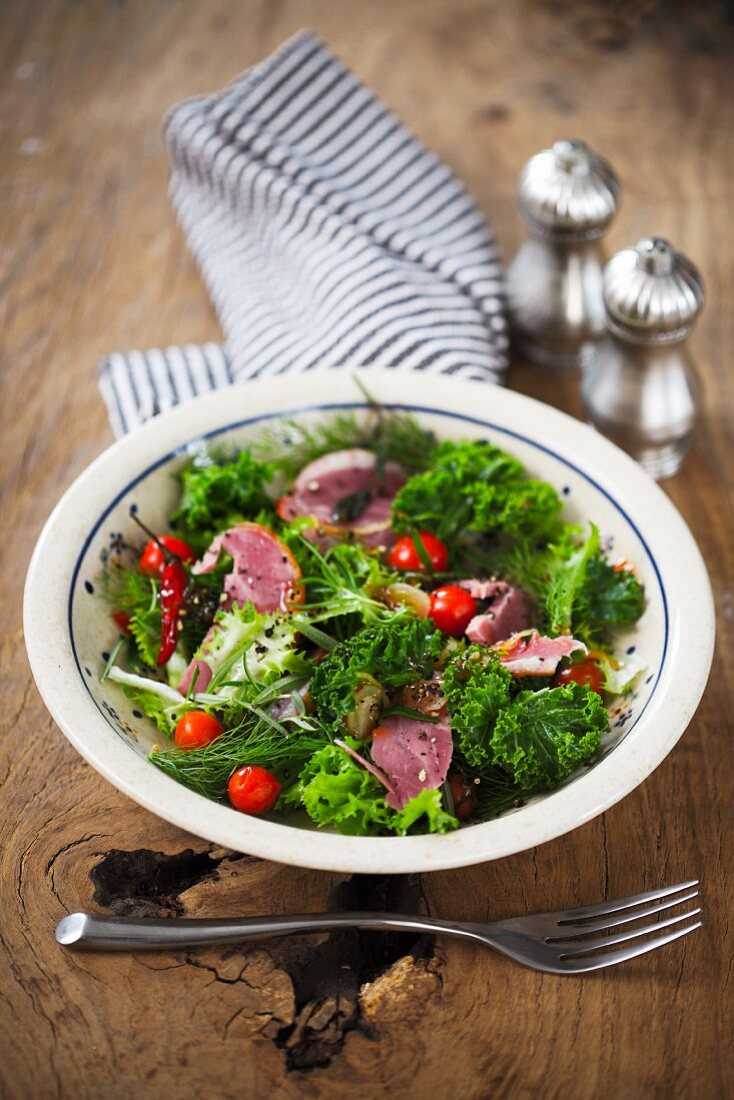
94 261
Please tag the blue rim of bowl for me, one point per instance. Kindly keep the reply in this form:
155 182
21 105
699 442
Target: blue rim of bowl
184 448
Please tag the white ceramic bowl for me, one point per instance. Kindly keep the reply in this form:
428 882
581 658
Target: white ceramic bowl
68 629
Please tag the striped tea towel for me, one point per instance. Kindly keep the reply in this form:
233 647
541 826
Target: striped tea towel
327 235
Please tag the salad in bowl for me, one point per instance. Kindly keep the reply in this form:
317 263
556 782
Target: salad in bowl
538 527
353 622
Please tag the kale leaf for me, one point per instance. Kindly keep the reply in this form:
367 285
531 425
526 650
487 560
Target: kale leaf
611 599
393 654
476 687
544 735
476 487
216 495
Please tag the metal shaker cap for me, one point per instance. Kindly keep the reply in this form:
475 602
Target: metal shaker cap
568 192
652 293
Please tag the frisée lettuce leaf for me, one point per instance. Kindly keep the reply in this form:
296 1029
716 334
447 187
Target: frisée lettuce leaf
158 701
335 790
246 646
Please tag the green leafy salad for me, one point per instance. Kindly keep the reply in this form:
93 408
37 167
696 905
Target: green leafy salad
357 622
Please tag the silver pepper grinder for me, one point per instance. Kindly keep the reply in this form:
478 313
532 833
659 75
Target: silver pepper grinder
640 385
568 197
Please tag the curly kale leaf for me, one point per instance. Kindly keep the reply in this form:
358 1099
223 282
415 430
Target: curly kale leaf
393 653
544 735
476 687
219 494
610 600
335 790
477 487
522 508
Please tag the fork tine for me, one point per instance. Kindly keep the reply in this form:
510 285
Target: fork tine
567 928
599 962
583 947
605 908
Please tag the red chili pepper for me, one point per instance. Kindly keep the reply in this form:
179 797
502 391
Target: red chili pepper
171 594
173 583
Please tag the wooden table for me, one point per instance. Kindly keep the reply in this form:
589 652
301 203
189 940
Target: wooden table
93 261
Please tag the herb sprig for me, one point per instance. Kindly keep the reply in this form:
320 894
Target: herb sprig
394 437
280 745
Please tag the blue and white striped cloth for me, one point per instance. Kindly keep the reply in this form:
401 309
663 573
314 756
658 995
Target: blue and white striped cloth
327 236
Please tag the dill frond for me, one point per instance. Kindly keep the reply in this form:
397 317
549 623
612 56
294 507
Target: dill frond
395 437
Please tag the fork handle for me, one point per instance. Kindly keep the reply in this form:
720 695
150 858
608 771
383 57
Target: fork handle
92 932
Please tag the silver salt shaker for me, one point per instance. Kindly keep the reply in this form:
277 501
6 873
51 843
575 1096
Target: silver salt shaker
568 197
640 385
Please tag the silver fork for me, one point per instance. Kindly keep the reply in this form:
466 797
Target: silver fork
563 942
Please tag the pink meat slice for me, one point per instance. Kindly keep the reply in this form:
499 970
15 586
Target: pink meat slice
202 680
506 614
205 673
414 755
324 482
263 571
533 654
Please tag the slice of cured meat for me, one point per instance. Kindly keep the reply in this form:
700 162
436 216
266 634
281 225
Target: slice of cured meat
264 570
532 654
506 612
414 755
203 675
344 493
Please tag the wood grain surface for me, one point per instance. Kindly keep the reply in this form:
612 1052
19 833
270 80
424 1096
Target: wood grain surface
92 260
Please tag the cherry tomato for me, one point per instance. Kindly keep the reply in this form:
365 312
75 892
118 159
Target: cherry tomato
196 729
404 554
122 621
253 790
585 672
452 609
151 559
464 797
